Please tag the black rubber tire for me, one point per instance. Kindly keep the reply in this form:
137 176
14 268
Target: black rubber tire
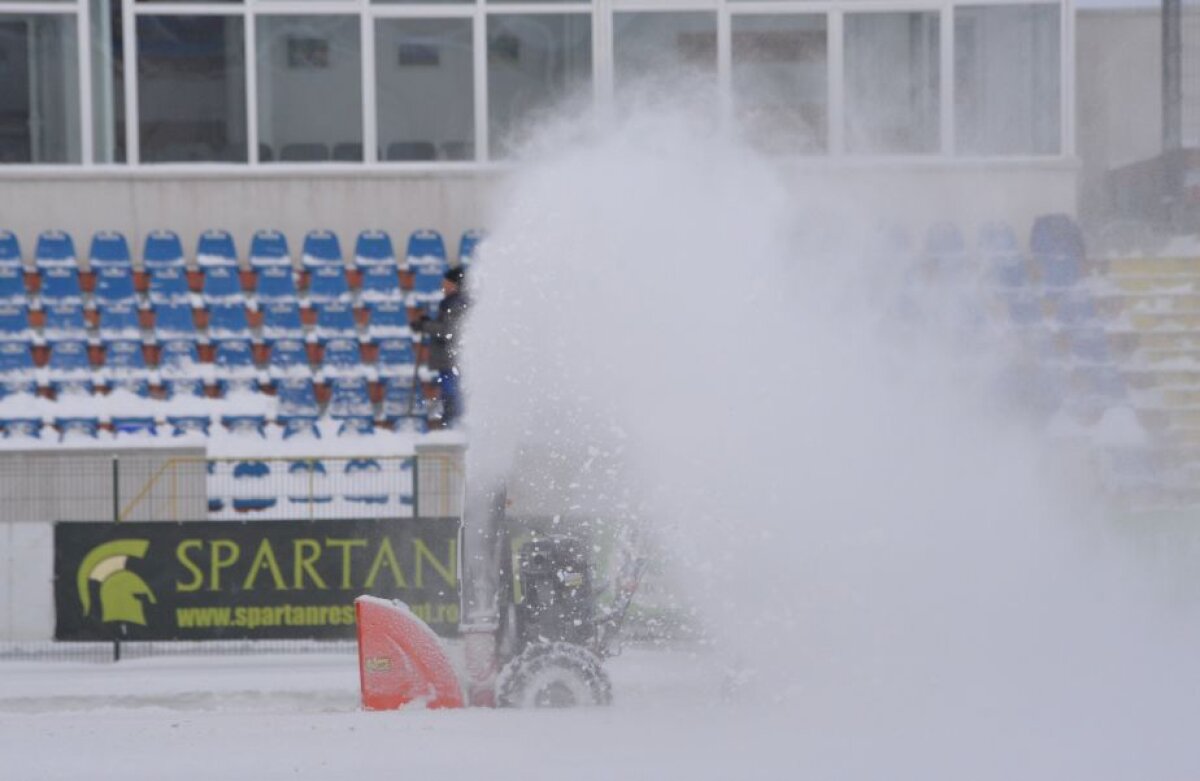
553 675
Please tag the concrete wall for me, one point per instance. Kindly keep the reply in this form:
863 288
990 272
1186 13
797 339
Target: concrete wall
190 202
26 581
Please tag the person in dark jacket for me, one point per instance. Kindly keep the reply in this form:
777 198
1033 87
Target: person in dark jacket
444 335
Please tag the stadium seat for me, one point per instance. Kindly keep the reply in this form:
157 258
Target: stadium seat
81 427
322 258
350 404
222 285
281 319
374 256
275 283
426 257
10 249
14 322
125 367
162 250
1056 246
387 319
342 359
298 410
216 248
64 321
179 367
235 369
17 372
174 320
335 319
69 372
169 285
54 258
269 248
397 358
348 151
182 425
314 152
112 264
468 246
289 358
412 150
368 473
245 424
403 405
12 283
21 428
309 471
119 321
1003 263
226 320
248 476
134 425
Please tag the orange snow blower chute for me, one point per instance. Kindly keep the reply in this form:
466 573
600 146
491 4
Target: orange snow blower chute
401 660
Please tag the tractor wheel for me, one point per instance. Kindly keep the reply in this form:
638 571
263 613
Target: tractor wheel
553 675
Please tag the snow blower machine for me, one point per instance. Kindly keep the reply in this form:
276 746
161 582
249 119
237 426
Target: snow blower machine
537 626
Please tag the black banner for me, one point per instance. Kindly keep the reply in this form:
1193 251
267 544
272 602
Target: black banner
260 579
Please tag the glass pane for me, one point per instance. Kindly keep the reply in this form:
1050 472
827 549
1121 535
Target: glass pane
673 51
1006 70
780 87
536 63
892 78
39 89
309 89
108 82
424 77
191 88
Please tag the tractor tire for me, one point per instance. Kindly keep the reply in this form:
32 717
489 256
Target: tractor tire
553 675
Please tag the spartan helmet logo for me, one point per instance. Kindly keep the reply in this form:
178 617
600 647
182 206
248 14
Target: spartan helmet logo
120 589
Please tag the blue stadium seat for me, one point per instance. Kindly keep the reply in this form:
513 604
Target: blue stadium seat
397 358
388 318
369 474
69 370
222 284
21 428
125 367
17 371
288 358
228 320
248 473
314 470
468 246
179 367
298 409
343 359
183 387
426 258
119 321
281 319
134 425
1056 245
350 403
327 283
64 321
321 248
269 248
54 257
334 319
10 249
276 283
375 258
1000 252
77 427
403 405
234 366
182 425
112 264
163 250
14 322
169 285
215 248
299 425
12 270
245 424
174 320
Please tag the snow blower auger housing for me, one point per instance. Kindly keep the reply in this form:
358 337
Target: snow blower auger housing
531 613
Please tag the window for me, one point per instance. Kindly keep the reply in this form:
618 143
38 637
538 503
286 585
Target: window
780 81
39 89
892 82
309 89
1006 69
536 62
108 82
655 52
424 79
191 89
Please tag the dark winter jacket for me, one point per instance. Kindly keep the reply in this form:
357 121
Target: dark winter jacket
445 331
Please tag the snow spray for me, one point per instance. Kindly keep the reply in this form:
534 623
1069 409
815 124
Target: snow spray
669 331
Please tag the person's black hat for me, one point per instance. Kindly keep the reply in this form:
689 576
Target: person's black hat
456 275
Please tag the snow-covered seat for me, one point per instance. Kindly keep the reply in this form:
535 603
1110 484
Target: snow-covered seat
134 425
162 250
335 319
426 258
350 404
397 358
281 319
222 285
119 321
111 262
343 359
182 425
17 371
77 427
234 368
310 472
387 318
228 320
468 246
125 367
403 405
216 248
174 320
275 283
21 428
252 479
54 258
1056 246
69 370
288 359
14 322
376 259
367 479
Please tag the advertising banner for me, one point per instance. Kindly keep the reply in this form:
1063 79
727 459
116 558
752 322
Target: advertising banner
259 579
